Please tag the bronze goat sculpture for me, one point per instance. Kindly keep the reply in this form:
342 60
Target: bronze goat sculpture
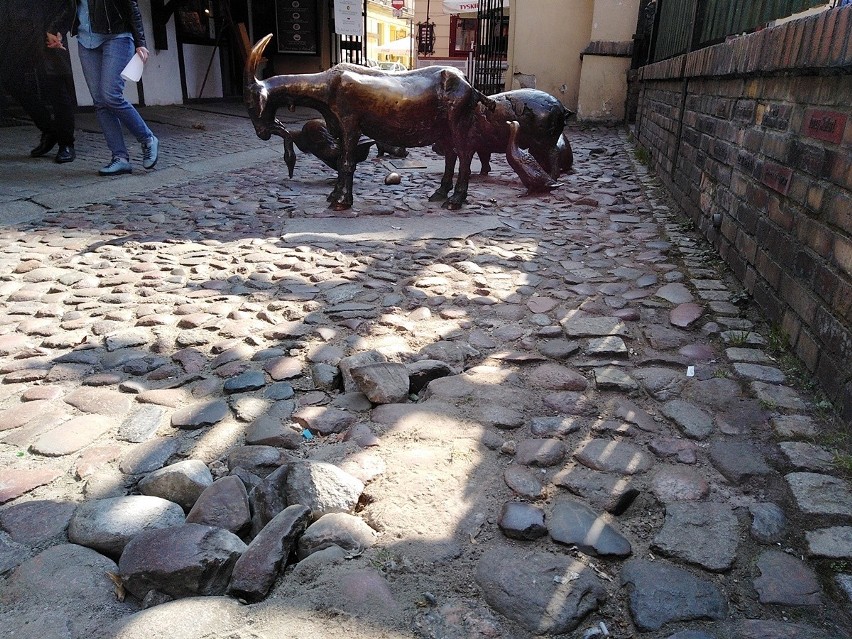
407 108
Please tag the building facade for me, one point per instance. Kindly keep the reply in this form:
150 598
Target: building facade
577 50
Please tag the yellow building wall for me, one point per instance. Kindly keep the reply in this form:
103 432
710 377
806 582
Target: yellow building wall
546 38
615 20
603 89
603 79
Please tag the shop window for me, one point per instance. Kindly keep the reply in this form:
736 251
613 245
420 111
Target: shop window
196 21
462 36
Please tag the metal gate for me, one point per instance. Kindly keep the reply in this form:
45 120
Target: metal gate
492 40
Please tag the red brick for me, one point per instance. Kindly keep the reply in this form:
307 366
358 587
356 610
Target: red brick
839 212
824 51
840 49
796 45
775 42
815 40
791 325
842 305
826 282
815 197
780 213
746 246
789 37
807 350
843 254
814 235
799 298
750 279
768 269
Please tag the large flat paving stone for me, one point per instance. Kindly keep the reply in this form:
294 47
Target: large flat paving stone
706 534
818 494
543 592
660 593
73 580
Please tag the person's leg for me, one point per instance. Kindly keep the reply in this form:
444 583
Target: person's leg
62 94
117 53
93 62
21 81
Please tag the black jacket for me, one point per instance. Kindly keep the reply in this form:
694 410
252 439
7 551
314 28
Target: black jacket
114 16
24 25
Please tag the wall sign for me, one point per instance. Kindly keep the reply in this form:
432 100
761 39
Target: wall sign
829 126
296 23
348 17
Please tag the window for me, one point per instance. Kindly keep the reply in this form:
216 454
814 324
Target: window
462 36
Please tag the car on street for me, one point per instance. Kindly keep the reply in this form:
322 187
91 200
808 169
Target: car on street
392 66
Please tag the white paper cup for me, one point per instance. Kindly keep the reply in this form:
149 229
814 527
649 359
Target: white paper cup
133 70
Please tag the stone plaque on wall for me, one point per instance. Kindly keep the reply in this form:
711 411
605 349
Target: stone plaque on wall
777 177
825 125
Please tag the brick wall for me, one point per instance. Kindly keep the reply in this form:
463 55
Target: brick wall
754 139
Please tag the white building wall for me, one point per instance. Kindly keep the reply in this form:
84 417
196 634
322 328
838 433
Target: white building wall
161 77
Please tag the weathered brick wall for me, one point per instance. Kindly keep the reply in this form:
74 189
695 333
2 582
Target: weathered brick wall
754 139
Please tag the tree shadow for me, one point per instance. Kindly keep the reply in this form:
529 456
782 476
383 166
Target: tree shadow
189 288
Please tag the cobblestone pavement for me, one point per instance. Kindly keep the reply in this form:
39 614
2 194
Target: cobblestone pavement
611 450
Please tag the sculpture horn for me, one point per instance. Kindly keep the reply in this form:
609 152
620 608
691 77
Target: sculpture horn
254 59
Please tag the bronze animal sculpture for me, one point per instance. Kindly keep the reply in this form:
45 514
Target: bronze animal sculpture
315 139
407 108
542 120
532 175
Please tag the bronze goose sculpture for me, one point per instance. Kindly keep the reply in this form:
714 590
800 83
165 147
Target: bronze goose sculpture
535 178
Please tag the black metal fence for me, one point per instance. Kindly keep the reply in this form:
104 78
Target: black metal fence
491 45
687 25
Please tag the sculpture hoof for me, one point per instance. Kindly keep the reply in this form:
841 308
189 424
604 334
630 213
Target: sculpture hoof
437 197
451 205
340 206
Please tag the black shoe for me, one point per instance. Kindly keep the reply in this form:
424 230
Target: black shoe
48 141
65 154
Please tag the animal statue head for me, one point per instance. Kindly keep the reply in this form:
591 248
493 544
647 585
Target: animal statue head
256 99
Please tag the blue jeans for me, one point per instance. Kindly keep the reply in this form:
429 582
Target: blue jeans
102 68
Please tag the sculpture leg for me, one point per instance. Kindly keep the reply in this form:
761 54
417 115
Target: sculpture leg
447 179
485 161
345 174
455 201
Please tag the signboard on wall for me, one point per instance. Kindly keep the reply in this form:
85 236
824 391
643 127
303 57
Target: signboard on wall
348 19
296 24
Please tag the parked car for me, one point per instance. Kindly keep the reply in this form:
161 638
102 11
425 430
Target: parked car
392 66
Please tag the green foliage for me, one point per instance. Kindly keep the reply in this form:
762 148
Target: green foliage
642 155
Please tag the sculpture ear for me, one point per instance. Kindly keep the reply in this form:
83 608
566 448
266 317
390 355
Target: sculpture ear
262 98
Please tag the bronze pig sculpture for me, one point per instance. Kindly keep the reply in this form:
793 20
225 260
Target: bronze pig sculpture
407 108
542 120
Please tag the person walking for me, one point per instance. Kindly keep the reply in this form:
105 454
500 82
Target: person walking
108 33
35 69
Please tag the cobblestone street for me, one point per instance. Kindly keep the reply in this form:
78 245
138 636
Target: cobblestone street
598 439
